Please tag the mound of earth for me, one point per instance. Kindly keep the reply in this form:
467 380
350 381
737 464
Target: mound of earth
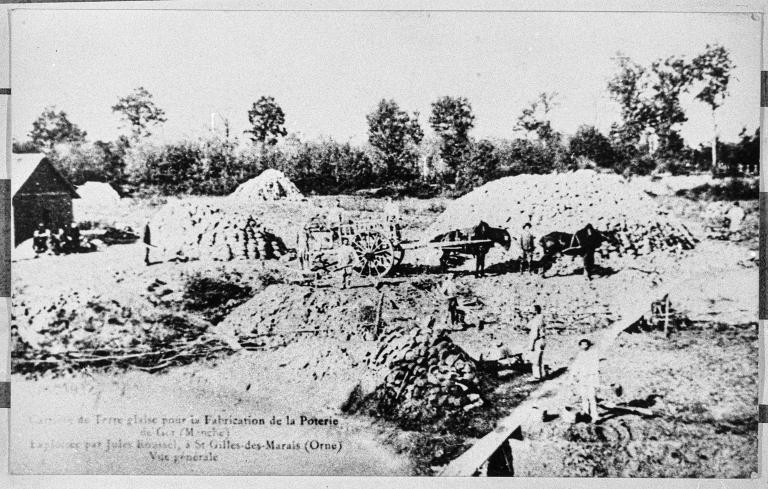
271 184
567 202
79 329
407 372
196 230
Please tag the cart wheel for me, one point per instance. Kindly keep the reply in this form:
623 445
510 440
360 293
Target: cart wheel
375 254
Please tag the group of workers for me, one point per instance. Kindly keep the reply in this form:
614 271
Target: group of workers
585 372
58 241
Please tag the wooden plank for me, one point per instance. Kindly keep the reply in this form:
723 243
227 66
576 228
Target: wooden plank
442 244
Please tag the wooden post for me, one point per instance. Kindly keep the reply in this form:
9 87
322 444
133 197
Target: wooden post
378 316
666 316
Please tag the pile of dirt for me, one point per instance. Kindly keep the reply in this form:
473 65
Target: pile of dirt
409 372
427 377
271 184
192 230
283 314
79 329
567 202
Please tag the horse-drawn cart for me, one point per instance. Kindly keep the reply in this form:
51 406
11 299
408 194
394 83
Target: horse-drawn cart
379 247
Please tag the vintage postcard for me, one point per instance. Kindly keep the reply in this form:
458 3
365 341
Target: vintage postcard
385 243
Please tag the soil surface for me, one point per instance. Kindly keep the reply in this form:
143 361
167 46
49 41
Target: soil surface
700 384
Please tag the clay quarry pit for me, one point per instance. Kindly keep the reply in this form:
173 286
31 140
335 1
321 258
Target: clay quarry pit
234 327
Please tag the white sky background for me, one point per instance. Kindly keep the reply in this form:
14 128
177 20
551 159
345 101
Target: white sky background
329 69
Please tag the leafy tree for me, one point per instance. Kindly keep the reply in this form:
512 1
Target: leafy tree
535 118
267 120
712 69
395 135
52 128
650 98
452 120
482 166
139 111
523 156
328 167
589 142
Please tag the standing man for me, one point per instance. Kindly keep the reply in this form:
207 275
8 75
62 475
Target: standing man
449 292
347 259
147 244
302 248
392 216
536 343
735 217
334 216
391 210
587 375
527 244
480 254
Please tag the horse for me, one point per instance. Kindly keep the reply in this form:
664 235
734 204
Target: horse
583 242
482 232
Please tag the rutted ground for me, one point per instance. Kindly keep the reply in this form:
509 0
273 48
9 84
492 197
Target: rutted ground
310 349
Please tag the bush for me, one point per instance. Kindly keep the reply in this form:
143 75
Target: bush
209 167
82 162
590 143
327 167
733 189
522 156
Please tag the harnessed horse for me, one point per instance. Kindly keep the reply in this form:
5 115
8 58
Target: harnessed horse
482 232
583 243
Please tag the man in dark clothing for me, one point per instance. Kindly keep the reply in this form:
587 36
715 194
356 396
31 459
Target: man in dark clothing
72 239
147 244
480 254
40 239
527 244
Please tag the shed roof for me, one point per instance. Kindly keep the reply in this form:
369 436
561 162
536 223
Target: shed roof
23 165
97 192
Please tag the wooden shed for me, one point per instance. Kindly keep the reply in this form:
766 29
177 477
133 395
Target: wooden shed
40 194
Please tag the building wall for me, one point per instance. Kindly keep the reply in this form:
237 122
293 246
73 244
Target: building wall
54 209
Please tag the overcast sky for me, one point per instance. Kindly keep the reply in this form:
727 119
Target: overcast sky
329 69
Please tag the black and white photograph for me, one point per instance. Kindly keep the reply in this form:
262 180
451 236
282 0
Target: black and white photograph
385 243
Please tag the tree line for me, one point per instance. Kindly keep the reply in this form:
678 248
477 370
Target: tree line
398 156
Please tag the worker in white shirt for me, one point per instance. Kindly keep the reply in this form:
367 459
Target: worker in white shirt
587 375
536 343
735 216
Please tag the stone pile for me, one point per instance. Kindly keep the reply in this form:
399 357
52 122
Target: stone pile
195 230
567 202
271 184
427 375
